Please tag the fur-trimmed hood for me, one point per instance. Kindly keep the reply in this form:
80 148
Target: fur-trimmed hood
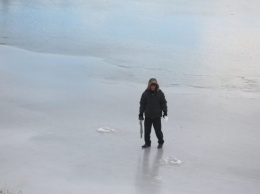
153 81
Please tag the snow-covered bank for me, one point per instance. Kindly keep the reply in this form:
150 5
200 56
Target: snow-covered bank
53 106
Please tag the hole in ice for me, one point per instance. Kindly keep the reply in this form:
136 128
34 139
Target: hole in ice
105 130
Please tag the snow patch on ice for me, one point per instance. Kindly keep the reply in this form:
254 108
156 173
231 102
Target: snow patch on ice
105 130
170 161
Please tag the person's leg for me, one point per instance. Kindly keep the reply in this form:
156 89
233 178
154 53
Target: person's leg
147 131
158 129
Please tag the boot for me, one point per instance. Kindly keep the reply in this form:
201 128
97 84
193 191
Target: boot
146 146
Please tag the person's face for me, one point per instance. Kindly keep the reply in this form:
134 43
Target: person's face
153 87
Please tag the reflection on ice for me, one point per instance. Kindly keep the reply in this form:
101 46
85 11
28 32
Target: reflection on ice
149 179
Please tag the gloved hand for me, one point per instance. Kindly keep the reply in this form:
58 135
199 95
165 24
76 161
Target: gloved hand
164 114
141 116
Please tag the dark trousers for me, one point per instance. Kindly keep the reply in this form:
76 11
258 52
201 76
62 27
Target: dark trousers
156 122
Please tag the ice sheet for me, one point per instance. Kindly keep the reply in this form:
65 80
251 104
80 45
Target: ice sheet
69 120
50 114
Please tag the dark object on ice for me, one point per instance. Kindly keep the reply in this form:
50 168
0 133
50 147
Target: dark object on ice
146 146
153 104
141 128
160 146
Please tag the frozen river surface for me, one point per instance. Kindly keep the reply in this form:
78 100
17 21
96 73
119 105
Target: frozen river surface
189 43
71 76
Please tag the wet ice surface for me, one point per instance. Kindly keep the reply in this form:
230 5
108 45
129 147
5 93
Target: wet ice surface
68 124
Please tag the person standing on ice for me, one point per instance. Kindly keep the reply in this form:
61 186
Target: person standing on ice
152 104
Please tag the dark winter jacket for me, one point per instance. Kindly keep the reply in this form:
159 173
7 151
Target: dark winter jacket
152 103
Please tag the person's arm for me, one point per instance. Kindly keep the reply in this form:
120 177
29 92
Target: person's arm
142 106
164 105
